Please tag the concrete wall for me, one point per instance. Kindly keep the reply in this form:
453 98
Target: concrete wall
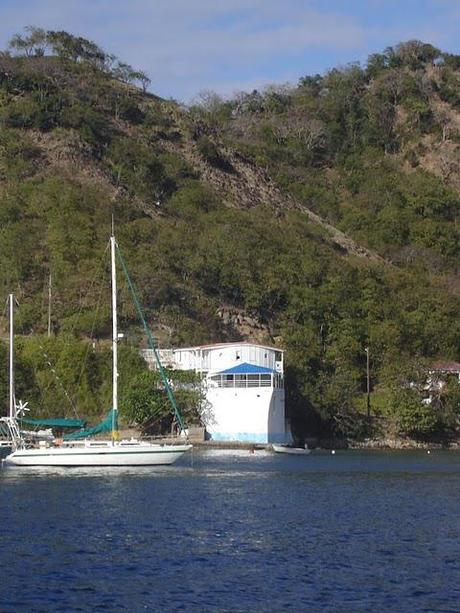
253 415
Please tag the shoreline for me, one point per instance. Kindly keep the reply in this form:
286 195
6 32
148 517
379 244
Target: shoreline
329 445
387 444
384 443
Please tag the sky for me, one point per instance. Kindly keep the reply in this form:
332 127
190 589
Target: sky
191 46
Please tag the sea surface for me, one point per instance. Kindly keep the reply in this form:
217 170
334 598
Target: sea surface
235 531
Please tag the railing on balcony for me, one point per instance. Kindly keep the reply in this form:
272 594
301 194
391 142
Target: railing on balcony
262 380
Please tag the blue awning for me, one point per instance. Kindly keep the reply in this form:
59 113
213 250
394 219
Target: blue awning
247 369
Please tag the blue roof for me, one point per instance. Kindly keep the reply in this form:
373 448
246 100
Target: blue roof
247 369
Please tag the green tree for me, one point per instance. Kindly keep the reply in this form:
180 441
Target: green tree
411 415
146 404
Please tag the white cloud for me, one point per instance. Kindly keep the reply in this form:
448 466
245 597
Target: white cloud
189 45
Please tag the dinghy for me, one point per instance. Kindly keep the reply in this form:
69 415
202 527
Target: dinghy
291 450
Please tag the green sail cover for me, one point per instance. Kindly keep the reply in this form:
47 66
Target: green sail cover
107 425
54 423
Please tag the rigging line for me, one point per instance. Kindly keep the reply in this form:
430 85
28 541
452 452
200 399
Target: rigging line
41 402
58 380
7 302
93 324
91 285
91 337
71 400
44 293
153 344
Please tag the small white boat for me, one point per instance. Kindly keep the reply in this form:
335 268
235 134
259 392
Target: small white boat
291 450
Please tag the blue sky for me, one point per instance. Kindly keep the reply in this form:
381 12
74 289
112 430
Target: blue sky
187 46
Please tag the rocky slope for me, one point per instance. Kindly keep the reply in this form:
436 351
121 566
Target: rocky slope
323 217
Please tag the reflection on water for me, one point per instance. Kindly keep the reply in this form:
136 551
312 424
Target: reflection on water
234 531
109 472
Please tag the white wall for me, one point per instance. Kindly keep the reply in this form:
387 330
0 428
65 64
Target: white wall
254 415
227 356
219 357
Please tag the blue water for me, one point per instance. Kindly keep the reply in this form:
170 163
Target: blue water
355 531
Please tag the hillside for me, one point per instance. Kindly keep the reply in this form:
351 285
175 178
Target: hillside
322 217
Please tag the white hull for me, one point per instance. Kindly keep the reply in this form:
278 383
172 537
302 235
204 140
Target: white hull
98 455
291 450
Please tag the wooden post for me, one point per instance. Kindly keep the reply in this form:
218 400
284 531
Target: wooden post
368 403
49 306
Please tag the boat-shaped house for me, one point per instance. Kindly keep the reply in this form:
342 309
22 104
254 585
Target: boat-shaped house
244 389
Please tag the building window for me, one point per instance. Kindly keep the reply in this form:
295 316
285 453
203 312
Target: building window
265 380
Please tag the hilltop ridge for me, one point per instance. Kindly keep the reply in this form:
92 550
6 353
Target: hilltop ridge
322 217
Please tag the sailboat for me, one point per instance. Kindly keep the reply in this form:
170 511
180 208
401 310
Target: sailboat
88 452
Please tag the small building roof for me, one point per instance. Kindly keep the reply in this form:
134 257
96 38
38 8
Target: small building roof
452 367
232 344
247 369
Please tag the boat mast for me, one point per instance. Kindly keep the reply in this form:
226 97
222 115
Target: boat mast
114 342
12 410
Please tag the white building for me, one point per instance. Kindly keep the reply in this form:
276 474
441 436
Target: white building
244 388
437 379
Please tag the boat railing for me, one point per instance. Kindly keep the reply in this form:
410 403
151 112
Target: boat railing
14 433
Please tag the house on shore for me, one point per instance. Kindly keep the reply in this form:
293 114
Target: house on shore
243 385
438 376
446 369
